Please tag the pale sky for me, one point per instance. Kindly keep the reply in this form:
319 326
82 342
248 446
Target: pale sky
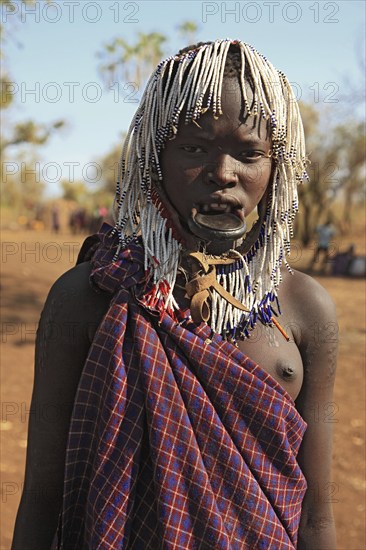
317 44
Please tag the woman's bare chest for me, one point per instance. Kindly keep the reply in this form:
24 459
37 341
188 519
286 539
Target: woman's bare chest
280 358
267 347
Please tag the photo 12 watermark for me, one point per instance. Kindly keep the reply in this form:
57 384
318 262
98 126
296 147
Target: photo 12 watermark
70 11
70 92
270 12
47 412
38 252
128 92
92 172
46 493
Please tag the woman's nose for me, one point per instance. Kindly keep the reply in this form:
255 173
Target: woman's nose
224 172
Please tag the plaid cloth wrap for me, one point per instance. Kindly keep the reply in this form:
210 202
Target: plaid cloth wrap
176 442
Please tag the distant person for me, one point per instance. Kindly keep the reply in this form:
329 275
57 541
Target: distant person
98 216
77 221
349 264
72 222
325 234
342 262
55 219
357 266
80 220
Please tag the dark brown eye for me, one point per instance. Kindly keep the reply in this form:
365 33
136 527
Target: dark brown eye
192 149
252 156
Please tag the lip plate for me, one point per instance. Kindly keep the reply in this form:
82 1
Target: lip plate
215 226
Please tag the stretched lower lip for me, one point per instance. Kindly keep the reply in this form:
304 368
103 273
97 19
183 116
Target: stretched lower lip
237 211
240 213
218 226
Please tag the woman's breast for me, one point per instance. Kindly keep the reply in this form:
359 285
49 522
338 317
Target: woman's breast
280 358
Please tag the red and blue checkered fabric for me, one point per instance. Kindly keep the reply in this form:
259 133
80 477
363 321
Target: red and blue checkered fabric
176 442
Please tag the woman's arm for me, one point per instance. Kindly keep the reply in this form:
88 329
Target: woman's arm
70 317
318 346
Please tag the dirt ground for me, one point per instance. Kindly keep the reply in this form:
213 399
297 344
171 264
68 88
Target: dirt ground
31 261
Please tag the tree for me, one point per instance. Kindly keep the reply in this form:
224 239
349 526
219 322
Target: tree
30 132
350 142
74 191
336 169
188 31
23 188
132 63
12 13
110 164
19 189
135 62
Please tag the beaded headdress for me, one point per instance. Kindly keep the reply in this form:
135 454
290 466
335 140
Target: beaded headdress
191 82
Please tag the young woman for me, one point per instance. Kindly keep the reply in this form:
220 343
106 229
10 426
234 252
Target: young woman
189 360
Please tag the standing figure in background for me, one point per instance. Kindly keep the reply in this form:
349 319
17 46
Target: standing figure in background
325 234
55 219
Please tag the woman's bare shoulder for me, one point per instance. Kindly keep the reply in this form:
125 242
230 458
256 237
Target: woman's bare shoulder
74 299
75 284
69 320
304 288
309 303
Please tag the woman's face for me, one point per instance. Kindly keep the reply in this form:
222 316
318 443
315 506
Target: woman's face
218 165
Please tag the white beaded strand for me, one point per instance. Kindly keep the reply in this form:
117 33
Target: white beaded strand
182 83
